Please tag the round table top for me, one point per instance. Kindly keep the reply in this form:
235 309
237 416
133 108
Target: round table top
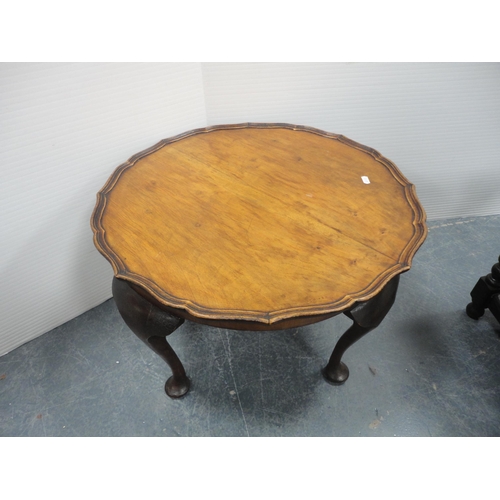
258 222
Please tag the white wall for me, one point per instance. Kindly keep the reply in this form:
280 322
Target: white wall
440 123
63 129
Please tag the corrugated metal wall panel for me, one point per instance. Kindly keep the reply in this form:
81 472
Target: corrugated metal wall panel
63 130
440 123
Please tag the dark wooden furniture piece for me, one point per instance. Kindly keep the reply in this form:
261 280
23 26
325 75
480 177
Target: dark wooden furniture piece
486 295
256 227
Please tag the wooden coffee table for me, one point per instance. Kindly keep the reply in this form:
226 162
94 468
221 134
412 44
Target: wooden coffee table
256 227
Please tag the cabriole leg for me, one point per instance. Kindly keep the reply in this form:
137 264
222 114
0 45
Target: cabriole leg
152 325
366 316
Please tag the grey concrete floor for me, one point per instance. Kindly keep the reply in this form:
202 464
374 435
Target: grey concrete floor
427 370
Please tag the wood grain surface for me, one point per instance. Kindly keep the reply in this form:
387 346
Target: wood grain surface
258 222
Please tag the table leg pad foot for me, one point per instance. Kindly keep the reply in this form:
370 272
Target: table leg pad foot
337 375
176 388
